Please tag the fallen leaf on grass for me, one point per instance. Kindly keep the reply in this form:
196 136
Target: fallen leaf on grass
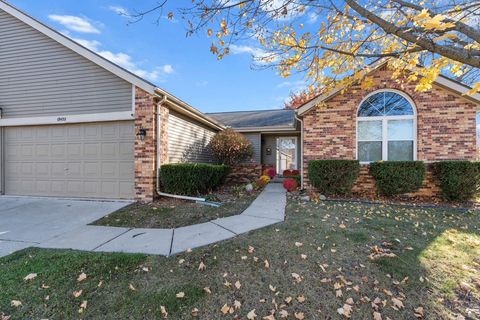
283 313
180 295
237 304
15 303
207 290
131 287
419 312
238 285
397 303
251 249
202 266
226 309
31 276
299 315
267 264
301 299
81 277
163 311
297 277
298 244
83 306
251 315
270 317
377 316
77 294
195 312
345 311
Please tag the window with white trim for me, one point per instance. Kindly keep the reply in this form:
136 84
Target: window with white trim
386 128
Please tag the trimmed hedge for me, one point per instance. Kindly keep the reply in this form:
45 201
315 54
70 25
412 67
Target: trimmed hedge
397 177
459 180
333 177
192 178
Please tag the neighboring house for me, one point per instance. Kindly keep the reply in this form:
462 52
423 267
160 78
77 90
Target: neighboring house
74 124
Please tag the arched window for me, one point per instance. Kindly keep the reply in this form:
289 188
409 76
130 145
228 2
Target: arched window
386 128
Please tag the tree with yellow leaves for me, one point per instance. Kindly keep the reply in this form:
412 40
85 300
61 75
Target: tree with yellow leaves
333 41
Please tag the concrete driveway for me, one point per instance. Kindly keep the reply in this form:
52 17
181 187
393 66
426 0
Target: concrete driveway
26 222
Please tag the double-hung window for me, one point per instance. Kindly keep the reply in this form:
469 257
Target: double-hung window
386 128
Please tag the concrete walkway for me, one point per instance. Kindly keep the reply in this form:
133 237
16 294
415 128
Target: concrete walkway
267 209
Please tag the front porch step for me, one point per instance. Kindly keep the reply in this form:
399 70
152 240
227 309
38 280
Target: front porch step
277 179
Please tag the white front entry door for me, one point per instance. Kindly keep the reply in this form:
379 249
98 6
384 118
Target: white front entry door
286 154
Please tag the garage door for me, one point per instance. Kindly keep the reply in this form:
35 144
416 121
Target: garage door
92 160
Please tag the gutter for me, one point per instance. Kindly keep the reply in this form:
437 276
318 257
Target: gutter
301 151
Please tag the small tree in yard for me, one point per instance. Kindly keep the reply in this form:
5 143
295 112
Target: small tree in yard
230 147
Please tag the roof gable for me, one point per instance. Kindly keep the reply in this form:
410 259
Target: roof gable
441 80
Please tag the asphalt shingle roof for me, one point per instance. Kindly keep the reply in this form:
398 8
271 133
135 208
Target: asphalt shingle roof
253 119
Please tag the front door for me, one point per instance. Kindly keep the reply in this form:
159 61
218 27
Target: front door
286 154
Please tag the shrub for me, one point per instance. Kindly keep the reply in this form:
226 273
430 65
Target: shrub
397 177
333 176
230 147
295 173
192 178
287 173
290 184
459 180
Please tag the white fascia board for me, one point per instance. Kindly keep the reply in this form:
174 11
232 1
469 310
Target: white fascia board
81 50
63 119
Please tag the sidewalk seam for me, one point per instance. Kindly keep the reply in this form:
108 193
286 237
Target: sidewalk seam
171 243
236 234
121 234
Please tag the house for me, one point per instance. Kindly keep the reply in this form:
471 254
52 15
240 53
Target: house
73 124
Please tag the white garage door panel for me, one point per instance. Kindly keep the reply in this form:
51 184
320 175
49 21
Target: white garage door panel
75 160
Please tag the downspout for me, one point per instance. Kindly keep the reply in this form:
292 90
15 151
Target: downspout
301 150
159 164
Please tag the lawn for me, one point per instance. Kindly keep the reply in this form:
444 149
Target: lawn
175 213
327 261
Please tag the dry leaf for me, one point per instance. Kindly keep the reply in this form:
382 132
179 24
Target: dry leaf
237 304
283 313
419 312
163 311
207 290
397 303
180 295
301 299
131 287
251 315
31 276
15 303
270 317
350 301
288 300
238 285
377 316
202 266
225 309
299 315
77 294
298 244
195 312
251 249
267 264
81 277
297 277
346 310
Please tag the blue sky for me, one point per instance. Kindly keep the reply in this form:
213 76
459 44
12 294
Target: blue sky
164 55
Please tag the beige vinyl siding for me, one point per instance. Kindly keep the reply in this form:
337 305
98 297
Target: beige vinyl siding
256 140
188 140
41 77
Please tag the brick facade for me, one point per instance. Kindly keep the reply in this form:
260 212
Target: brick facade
446 126
145 151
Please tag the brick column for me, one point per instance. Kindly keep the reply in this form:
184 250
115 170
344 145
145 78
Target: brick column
164 116
145 151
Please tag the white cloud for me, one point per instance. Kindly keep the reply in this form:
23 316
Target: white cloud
126 61
75 23
119 10
257 53
312 17
294 86
168 69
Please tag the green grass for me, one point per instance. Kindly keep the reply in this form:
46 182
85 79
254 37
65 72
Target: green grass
174 213
436 250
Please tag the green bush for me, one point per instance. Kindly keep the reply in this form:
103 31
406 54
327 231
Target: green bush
459 180
192 178
397 177
230 147
333 177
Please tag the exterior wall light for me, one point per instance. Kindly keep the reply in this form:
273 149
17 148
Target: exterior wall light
142 132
